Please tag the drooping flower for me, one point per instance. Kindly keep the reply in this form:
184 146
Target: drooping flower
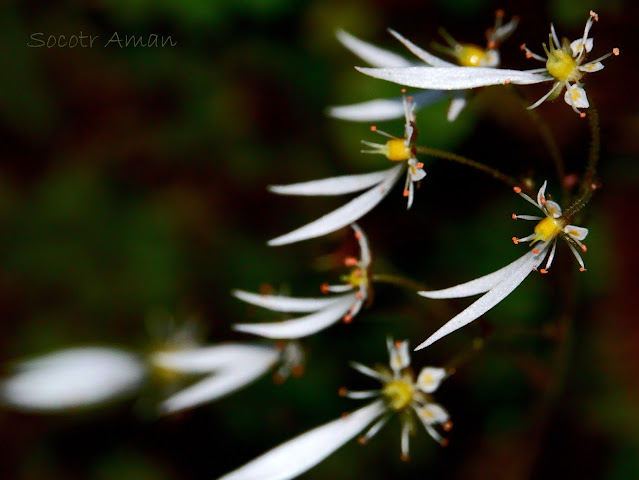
464 53
325 311
498 285
72 379
400 394
226 368
564 66
398 150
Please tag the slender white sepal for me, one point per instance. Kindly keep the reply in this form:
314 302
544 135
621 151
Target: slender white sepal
72 378
442 78
280 303
457 104
332 186
371 54
346 214
420 53
300 454
364 248
303 326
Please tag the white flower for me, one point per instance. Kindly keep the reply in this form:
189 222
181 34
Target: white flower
227 368
379 184
564 67
400 393
465 54
72 378
325 311
498 285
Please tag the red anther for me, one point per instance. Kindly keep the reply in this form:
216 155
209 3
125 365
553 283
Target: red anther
582 269
420 165
362 440
410 99
444 442
448 426
583 248
516 189
535 251
342 391
499 13
373 128
359 295
324 288
507 81
358 235
522 46
397 344
297 371
528 54
594 16
491 45
615 52
543 271
403 90
357 273
348 318
350 261
515 240
406 192
582 115
543 200
404 458
514 216
382 190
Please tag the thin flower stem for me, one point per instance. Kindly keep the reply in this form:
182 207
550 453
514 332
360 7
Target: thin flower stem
493 172
593 153
398 281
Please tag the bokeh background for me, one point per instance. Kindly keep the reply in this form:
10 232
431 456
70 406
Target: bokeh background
132 186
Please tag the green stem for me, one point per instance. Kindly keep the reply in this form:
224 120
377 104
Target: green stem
398 281
493 172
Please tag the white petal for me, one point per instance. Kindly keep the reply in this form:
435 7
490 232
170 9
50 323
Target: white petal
576 96
479 285
280 303
503 32
576 46
346 214
457 104
73 378
541 195
553 208
489 300
218 385
399 356
429 379
302 326
371 54
591 67
420 53
418 175
332 186
364 249
300 454
215 357
457 78
368 371
578 233
432 413
388 109
490 59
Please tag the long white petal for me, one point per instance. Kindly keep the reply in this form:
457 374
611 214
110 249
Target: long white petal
457 78
488 301
72 378
346 214
215 357
364 248
479 285
332 186
457 104
386 109
371 54
218 385
302 326
280 303
420 53
303 452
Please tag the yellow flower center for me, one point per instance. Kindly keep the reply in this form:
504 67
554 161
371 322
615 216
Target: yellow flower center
399 394
469 55
356 278
548 228
397 151
561 65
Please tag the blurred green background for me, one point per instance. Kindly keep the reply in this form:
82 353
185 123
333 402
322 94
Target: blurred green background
133 181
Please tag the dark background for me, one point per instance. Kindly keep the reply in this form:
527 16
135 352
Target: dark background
133 181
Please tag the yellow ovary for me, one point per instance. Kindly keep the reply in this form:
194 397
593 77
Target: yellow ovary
397 151
469 55
561 66
399 394
548 229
